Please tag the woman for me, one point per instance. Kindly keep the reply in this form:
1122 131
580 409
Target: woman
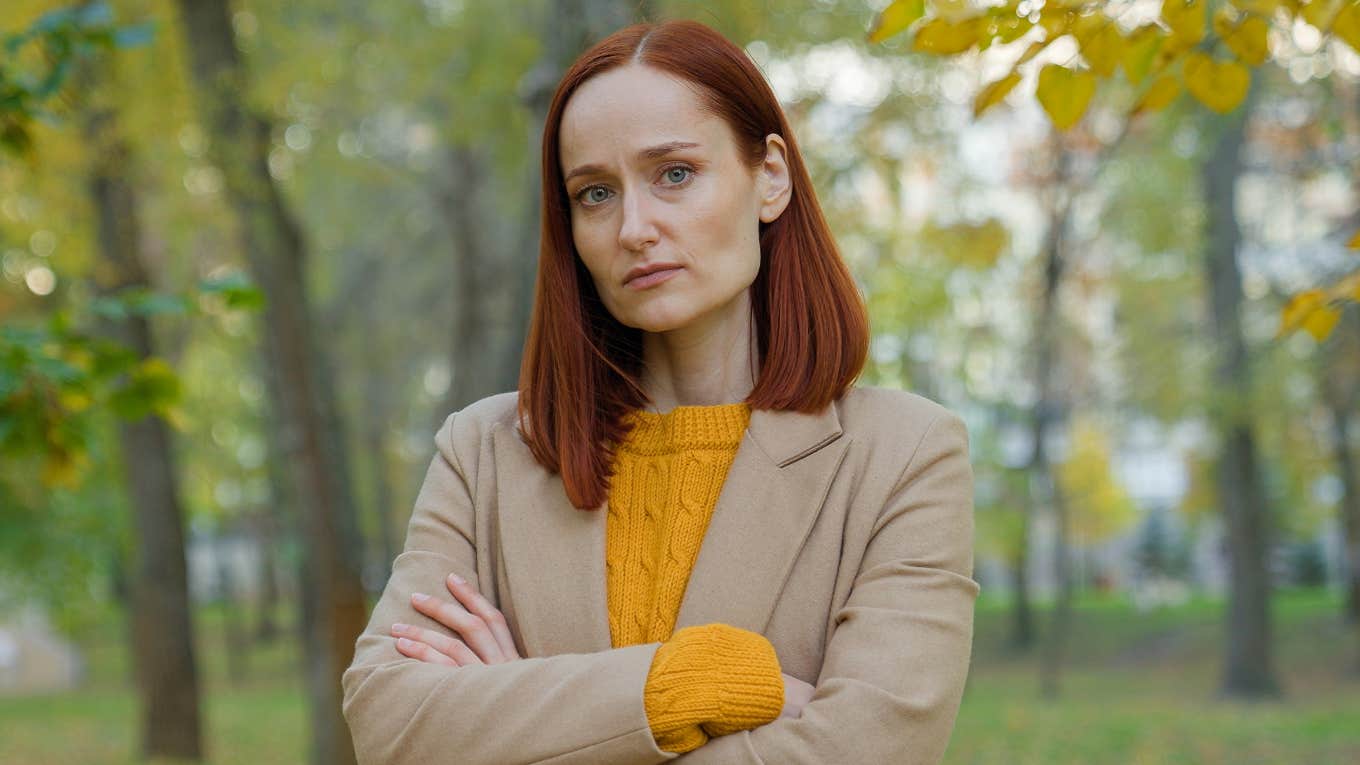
686 536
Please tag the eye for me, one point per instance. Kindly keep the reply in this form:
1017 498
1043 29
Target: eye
584 196
670 174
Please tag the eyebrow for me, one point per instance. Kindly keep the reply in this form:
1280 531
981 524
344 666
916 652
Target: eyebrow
651 152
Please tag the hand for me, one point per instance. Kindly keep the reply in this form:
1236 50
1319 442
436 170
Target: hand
485 636
796 694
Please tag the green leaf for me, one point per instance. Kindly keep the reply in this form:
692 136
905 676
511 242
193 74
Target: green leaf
236 290
109 308
155 303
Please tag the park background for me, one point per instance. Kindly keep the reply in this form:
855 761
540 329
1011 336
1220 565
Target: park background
249 247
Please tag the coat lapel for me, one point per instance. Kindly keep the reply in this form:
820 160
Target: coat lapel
767 506
554 554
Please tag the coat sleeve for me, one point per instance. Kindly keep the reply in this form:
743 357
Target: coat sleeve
893 674
562 709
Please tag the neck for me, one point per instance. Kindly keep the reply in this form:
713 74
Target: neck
710 361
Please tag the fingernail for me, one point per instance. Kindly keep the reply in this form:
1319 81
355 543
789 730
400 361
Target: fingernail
420 597
399 627
404 643
457 579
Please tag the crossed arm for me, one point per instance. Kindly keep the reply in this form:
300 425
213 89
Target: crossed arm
876 700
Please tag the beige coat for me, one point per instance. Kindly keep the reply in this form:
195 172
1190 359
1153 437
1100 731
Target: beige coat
845 537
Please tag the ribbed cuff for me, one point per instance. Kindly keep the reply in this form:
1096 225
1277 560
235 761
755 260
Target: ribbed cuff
711 680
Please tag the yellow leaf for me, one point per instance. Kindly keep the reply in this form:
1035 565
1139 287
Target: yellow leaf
1346 26
952 10
1186 19
1099 505
1248 40
1056 20
178 419
1033 50
63 468
944 38
1321 322
1159 95
1139 51
1346 289
1103 48
896 18
75 401
1264 8
1225 18
1010 28
1298 309
993 93
1319 13
1354 243
1085 26
1065 94
1172 49
1219 85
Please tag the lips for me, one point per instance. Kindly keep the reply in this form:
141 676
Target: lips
641 277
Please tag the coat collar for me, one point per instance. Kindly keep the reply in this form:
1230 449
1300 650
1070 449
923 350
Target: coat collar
554 554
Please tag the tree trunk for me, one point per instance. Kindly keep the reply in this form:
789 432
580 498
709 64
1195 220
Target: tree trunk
266 621
1022 614
1350 507
482 293
1248 671
376 416
299 378
233 631
162 623
1339 373
1046 408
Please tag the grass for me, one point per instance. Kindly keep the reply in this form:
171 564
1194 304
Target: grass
1140 688
1136 688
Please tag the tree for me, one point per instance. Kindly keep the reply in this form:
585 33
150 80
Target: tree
1207 49
162 627
299 375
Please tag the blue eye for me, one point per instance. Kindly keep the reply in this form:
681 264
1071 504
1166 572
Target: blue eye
587 190
681 169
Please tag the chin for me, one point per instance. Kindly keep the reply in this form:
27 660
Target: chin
657 321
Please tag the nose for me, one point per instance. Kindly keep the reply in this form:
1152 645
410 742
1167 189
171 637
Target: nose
637 230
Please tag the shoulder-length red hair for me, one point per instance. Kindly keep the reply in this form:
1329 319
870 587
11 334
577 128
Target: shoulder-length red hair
581 366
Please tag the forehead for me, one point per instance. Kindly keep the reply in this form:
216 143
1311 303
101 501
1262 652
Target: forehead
629 108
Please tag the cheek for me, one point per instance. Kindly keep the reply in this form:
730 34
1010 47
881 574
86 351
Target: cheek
737 235
589 251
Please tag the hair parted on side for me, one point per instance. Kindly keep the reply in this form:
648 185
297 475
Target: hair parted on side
581 367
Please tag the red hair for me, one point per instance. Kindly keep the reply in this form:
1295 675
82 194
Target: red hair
581 366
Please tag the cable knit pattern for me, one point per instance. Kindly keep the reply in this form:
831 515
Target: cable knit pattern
706 680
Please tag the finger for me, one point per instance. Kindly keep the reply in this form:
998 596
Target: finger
423 652
477 603
451 647
469 626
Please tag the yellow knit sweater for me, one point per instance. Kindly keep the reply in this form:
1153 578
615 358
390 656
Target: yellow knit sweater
706 680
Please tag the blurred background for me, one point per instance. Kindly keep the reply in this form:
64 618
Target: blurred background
254 253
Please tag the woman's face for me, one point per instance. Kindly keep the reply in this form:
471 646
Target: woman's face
656 182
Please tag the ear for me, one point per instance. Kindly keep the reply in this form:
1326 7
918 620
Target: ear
773 180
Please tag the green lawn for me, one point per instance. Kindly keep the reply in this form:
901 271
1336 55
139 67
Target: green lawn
1138 688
